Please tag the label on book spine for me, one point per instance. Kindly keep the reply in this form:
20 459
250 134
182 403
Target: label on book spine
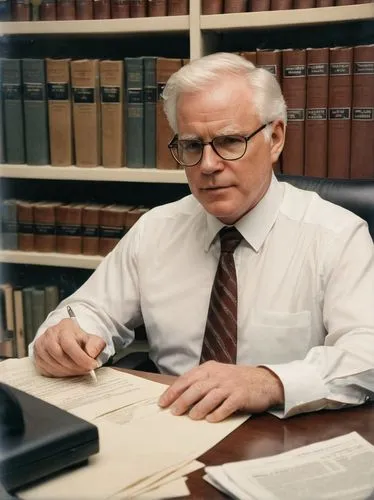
111 232
295 115
84 95
90 231
150 94
135 96
338 69
58 91
68 230
110 94
316 114
339 113
12 91
26 227
9 227
363 114
294 71
33 92
363 68
318 69
45 229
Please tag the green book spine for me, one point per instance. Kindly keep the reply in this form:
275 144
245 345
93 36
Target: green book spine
9 226
150 99
13 111
35 111
2 145
28 314
52 298
134 112
38 308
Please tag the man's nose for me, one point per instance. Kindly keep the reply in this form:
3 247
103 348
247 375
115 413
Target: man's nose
210 161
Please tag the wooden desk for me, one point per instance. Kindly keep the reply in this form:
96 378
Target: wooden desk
264 435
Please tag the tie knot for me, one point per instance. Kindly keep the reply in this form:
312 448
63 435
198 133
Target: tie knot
230 239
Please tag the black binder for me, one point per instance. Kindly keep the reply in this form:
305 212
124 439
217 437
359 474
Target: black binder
38 439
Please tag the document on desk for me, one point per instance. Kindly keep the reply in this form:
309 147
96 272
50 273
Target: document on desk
341 468
140 443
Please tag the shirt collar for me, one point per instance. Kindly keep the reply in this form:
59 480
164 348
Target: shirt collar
257 223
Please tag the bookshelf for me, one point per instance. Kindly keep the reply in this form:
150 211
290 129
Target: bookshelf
50 259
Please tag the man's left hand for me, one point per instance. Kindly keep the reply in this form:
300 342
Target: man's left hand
216 390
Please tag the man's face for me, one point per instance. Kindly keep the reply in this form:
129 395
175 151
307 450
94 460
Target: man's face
227 189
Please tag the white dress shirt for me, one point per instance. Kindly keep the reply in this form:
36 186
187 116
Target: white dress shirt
305 273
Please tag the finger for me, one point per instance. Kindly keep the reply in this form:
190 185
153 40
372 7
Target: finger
227 408
48 366
213 399
190 396
94 345
72 347
56 355
181 385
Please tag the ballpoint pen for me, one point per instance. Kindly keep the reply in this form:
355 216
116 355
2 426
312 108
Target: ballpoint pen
74 318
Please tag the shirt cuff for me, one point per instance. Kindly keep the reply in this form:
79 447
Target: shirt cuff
304 389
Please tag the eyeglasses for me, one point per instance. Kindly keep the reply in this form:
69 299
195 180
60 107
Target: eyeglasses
188 152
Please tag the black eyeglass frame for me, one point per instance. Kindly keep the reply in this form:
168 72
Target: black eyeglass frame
173 143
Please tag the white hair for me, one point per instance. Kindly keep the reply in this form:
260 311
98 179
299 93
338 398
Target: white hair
200 73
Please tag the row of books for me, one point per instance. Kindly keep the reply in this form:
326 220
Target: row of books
22 311
69 228
68 10
230 6
86 112
330 99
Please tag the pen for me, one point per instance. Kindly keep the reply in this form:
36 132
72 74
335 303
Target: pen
74 318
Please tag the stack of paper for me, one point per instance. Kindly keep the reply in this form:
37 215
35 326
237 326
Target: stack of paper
341 468
142 447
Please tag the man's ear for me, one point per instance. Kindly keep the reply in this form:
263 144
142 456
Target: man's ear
278 136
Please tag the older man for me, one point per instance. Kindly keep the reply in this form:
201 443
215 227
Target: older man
257 294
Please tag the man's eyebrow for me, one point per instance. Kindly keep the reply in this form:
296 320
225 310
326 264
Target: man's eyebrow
229 130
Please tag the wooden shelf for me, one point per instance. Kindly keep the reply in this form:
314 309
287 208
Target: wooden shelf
294 17
50 259
146 25
93 174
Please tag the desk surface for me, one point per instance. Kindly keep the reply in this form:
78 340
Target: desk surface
264 435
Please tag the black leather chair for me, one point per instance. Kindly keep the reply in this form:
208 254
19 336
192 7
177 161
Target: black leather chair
354 195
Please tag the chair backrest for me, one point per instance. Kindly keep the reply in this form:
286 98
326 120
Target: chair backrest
354 195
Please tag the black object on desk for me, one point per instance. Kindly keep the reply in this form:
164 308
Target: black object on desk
38 439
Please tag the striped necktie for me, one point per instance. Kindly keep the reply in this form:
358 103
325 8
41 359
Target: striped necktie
221 328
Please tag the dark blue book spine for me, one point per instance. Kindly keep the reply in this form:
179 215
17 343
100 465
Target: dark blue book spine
134 113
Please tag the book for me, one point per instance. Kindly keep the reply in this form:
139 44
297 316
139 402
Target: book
138 8
13 119
362 145
101 9
38 308
250 56
47 10
35 112
5 10
133 215
112 112
21 10
260 5
59 111
9 225
52 298
316 112
231 6
120 8
304 4
294 92
19 328
45 226
69 228
112 220
10 348
134 112
90 228
339 118
165 67
28 314
84 9
2 135
324 3
86 112
271 60
177 7
150 99
212 7
281 4
157 8
65 10
6 338
25 225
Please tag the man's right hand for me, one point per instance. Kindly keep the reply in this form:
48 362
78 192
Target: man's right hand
66 350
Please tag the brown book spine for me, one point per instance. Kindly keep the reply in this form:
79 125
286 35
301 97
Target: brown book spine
164 69
25 219
316 112
45 226
363 1
59 112
48 10
362 145
178 7
21 10
138 8
84 9
101 9
339 120
69 228
65 10
112 115
90 229
86 112
112 227
271 60
157 8
234 6
324 3
260 5
212 7
120 9
250 56
304 4
133 215
344 2
281 4
294 91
